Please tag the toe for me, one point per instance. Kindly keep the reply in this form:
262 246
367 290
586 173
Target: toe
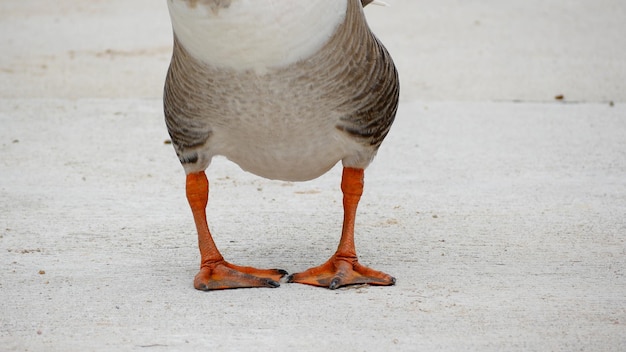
223 275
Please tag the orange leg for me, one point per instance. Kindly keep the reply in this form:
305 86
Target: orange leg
216 273
343 268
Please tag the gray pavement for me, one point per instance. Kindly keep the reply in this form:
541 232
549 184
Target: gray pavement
501 211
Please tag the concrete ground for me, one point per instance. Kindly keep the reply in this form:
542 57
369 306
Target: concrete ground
500 209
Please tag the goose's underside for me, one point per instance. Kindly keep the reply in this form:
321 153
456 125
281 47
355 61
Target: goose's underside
278 125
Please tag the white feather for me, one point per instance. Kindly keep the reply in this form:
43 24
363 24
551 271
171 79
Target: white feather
256 34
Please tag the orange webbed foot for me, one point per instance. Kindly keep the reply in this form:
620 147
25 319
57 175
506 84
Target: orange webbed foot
223 275
341 271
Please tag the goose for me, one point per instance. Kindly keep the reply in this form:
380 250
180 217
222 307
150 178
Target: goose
285 89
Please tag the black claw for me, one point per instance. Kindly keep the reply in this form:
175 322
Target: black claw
393 280
272 283
290 278
334 284
282 272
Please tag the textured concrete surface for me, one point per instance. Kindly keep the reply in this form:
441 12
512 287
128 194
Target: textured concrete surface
501 211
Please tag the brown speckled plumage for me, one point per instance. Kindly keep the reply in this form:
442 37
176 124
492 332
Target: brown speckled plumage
215 5
352 78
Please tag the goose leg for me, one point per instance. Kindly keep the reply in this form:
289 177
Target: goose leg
343 268
216 273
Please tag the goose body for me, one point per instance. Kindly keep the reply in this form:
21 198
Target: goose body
283 88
